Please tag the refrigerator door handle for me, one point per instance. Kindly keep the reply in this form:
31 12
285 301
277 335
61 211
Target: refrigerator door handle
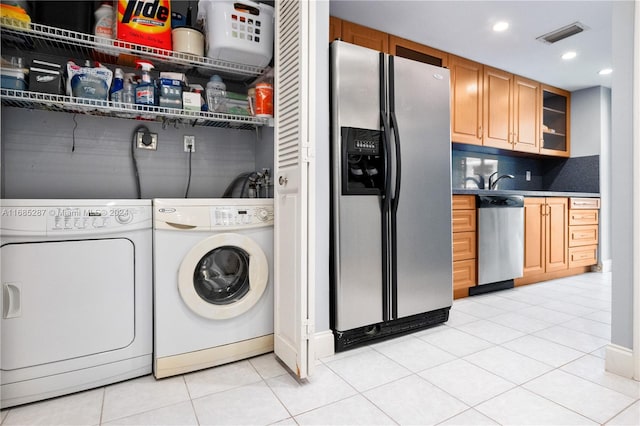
396 192
386 149
386 192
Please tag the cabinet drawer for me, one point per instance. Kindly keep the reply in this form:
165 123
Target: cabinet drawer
584 235
464 220
583 256
584 203
464 274
463 202
583 217
464 245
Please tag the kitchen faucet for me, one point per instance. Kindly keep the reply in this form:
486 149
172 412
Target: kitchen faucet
479 181
493 183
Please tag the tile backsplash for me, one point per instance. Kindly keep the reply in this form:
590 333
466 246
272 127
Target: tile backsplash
470 170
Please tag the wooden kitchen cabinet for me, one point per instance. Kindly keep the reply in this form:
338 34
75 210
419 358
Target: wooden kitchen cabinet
498 99
466 100
526 115
335 28
364 36
464 244
511 111
583 231
556 110
545 235
404 48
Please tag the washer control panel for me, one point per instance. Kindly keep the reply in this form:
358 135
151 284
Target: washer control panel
231 216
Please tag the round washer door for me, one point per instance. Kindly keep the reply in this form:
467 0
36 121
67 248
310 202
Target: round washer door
223 276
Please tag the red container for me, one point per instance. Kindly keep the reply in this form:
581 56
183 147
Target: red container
264 100
145 22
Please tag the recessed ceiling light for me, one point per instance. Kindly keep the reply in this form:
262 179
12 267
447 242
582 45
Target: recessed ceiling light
569 55
500 26
605 71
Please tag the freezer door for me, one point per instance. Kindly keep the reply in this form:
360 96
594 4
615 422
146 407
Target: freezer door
423 216
357 283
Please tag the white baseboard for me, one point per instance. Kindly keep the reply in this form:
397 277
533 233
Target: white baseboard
619 360
324 344
606 265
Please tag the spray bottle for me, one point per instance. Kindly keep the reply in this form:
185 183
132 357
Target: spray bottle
146 90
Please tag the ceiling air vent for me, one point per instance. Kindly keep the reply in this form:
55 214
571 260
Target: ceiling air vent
562 33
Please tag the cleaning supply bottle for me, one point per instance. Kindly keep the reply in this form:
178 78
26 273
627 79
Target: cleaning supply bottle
216 94
117 86
129 88
105 26
146 89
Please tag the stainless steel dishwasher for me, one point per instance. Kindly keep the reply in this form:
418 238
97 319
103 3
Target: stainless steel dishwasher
500 241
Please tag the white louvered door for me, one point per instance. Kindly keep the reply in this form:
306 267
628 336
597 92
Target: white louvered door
294 227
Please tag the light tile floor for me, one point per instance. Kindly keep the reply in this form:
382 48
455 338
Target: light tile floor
530 355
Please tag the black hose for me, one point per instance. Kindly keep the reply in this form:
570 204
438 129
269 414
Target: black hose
136 174
186 193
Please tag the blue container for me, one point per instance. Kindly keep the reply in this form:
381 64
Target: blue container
13 79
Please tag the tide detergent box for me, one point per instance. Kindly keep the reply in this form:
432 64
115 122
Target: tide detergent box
145 22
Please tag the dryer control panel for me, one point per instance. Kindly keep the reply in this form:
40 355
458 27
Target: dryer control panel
73 220
244 216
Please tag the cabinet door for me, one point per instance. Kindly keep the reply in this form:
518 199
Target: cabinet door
497 108
365 36
557 234
526 115
335 28
534 236
466 100
556 110
418 52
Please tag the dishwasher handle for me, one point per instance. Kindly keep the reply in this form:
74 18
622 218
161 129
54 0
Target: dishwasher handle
499 201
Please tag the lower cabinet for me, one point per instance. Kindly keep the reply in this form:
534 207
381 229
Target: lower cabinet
583 231
545 235
464 240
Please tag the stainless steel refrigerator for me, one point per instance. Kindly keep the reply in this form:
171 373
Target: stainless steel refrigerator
391 267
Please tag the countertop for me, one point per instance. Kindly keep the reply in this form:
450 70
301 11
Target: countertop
526 193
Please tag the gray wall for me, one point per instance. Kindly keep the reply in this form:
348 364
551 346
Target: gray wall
586 121
38 161
622 252
591 135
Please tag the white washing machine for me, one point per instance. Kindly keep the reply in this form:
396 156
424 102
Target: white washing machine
76 295
213 282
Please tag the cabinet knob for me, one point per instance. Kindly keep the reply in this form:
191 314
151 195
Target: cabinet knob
283 180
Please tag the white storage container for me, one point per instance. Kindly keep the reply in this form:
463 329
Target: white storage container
238 31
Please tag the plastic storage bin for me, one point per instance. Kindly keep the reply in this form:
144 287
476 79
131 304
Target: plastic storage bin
239 32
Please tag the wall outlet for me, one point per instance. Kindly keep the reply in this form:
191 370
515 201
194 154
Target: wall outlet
146 140
189 143
527 175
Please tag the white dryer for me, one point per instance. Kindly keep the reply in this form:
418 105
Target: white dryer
213 282
76 295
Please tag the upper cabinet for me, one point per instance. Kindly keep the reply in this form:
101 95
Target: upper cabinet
335 28
365 36
511 111
498 109
418 52
526 115
555 121
466 100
